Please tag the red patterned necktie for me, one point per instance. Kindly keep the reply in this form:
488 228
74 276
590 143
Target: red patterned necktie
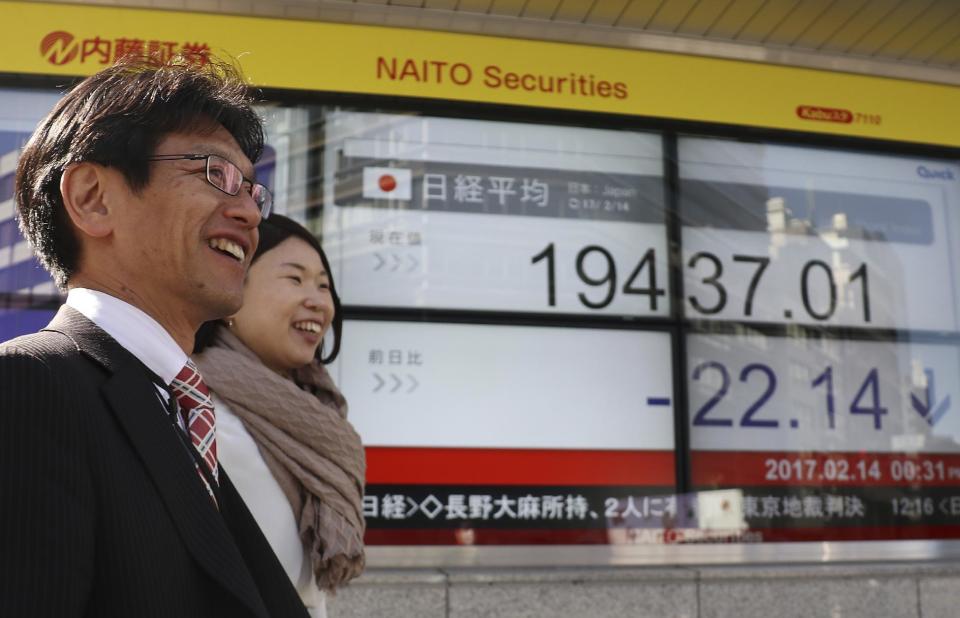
193 396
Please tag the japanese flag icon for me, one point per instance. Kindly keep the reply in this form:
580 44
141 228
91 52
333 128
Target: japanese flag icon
386 183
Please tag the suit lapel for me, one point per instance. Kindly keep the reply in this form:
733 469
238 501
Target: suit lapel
132 398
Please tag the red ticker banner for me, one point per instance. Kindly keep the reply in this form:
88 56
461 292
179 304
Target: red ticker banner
451 496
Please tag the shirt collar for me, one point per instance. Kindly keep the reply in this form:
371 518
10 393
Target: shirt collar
133 329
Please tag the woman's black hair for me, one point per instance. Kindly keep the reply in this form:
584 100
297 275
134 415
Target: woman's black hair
274 230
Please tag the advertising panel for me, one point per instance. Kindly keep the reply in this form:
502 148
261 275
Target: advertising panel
312 55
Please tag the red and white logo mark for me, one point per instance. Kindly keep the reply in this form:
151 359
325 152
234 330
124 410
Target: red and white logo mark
59 47
387 183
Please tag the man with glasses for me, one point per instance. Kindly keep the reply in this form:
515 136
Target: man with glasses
138 194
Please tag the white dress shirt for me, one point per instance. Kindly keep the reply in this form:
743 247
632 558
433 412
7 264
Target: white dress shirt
136 331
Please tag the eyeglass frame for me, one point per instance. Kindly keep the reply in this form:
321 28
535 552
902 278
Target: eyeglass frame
265 209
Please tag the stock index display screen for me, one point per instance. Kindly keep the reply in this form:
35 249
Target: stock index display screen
808 236
818 329
454 214
502 433
843 429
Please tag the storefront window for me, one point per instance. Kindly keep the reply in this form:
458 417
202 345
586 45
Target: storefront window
524 369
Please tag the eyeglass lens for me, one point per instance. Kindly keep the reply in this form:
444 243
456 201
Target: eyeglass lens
224 175
228 178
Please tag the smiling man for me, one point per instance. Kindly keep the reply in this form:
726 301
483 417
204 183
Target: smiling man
138 194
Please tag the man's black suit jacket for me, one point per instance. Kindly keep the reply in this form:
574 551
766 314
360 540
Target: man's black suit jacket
102 513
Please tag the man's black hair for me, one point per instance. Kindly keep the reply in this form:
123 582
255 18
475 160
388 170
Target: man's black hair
116 118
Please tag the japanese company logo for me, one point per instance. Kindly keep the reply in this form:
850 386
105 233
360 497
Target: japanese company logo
60 48
825 114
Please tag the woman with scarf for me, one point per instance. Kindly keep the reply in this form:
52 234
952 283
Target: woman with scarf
282 429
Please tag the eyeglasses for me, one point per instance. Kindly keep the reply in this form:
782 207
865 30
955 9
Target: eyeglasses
226 177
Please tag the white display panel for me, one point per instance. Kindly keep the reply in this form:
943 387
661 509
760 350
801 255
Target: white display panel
458 385
463 214
798 235
758 393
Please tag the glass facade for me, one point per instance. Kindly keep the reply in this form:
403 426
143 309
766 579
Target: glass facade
27 293
560 334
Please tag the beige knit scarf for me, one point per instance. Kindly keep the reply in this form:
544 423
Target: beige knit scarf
307 443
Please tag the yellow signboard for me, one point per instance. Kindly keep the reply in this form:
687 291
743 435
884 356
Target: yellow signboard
52 39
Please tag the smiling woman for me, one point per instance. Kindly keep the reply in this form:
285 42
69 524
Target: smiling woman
282 431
